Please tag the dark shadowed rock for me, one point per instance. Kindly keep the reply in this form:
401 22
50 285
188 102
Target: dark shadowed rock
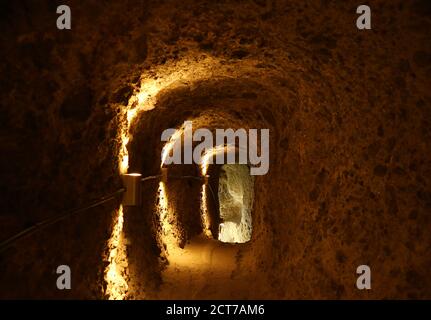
77 105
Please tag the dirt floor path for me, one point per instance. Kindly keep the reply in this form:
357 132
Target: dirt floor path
204 269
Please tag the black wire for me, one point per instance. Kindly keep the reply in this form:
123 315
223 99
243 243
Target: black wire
49 221
172 177
187 177
150 178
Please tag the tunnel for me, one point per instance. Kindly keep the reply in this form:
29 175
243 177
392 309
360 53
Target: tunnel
235 194
348 181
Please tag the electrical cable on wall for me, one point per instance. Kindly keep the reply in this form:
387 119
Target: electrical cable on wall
52 220
45 223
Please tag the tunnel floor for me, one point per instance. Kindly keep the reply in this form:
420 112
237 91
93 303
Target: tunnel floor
204 269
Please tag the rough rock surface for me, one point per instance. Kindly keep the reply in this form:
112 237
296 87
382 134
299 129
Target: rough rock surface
350 119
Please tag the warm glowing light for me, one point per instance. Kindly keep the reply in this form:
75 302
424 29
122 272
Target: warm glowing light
168 235
124 155
116 284
170 75
207 157
168 147
145 99
124 164
204 213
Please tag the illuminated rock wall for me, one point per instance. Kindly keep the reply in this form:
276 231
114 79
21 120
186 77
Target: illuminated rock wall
349 118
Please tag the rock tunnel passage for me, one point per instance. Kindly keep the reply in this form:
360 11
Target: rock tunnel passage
235 195
349 172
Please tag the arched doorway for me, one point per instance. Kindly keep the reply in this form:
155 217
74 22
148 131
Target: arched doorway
235 194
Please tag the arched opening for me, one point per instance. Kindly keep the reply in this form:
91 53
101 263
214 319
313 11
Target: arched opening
348 180
235 194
